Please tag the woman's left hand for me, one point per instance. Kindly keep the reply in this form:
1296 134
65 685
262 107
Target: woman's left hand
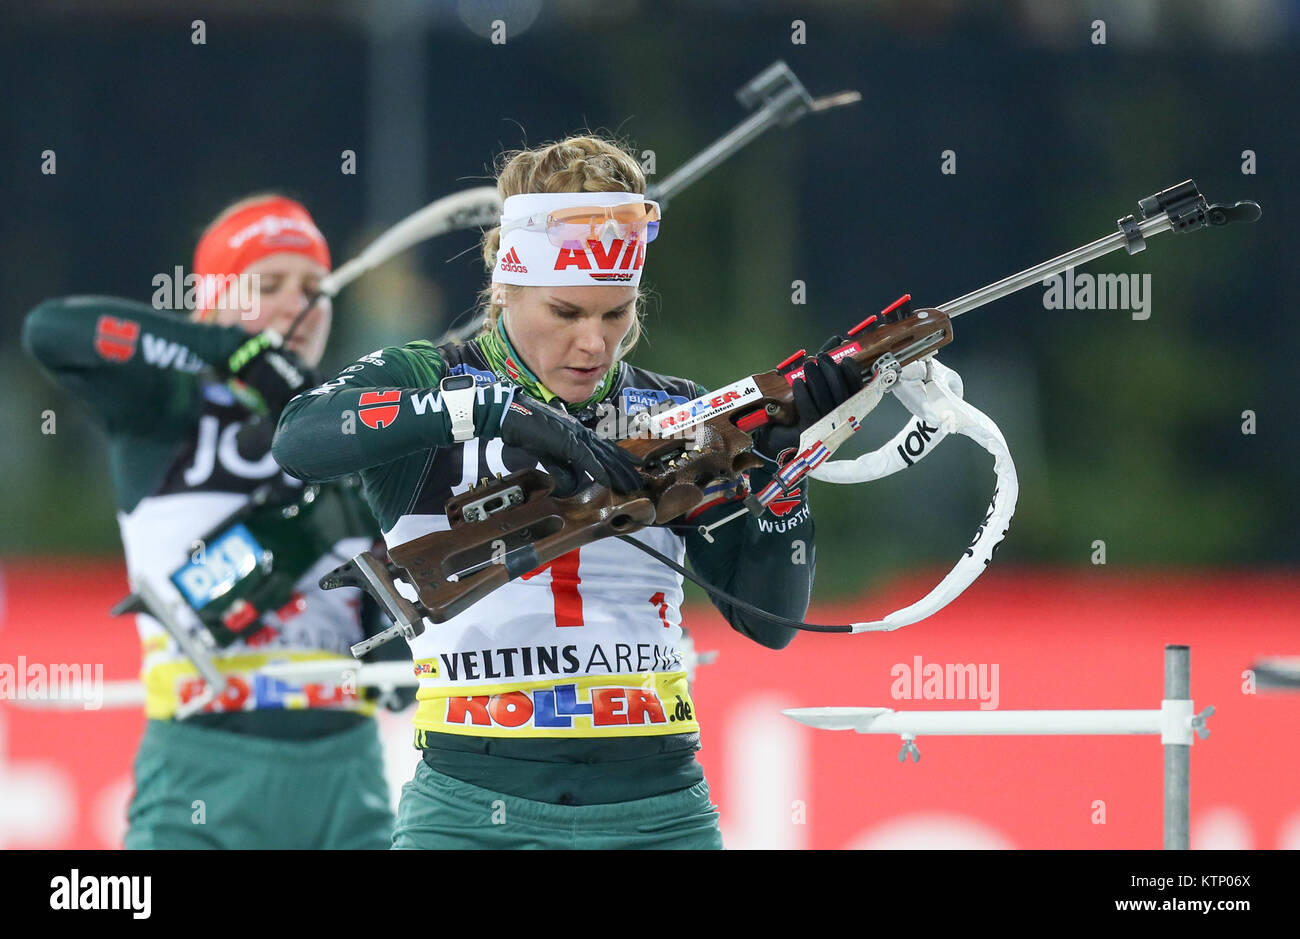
825 386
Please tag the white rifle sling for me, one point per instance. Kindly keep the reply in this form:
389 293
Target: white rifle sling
932 392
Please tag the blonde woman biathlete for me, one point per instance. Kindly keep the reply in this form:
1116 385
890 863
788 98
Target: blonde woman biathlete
555 712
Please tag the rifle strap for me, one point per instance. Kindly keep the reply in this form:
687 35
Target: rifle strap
933 393
731 598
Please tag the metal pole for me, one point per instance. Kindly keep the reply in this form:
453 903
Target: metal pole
394 165
740 135
1178 687
999 723
1050 268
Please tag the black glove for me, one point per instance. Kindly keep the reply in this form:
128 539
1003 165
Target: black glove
570 452
274 373
825 386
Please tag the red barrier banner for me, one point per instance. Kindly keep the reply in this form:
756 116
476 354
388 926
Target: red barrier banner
1018 639
1039 640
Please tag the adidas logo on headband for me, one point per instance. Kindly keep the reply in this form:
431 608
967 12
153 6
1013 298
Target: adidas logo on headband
512 263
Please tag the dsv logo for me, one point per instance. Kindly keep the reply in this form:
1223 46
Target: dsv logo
914 444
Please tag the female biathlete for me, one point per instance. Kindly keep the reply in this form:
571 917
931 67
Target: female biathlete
554 712
230 545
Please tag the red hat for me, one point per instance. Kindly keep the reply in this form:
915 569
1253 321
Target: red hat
268 226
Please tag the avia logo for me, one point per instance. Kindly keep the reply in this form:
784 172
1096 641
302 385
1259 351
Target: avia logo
620 256
384 409
115 339
512 263
786 504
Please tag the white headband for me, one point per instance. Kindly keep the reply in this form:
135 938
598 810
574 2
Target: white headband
527 257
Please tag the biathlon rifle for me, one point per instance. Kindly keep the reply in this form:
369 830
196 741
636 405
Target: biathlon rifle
514 524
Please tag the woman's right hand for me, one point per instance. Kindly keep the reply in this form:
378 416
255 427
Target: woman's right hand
570 452
265 364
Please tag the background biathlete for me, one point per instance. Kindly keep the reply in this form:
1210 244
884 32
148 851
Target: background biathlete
555 712
266 765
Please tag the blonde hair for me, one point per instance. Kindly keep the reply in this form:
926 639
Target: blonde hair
586 163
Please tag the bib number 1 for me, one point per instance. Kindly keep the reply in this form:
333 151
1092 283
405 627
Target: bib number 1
660 602
564 588
567 599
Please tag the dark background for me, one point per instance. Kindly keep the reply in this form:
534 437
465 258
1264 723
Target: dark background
1124 431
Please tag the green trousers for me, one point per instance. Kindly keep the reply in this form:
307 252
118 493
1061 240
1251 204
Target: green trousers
202 788
438 812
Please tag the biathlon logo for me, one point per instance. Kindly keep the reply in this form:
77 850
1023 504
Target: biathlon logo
636 400
115 339
555 708
386 406
620 256
512 263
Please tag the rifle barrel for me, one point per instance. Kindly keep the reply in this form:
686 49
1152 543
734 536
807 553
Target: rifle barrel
1050 268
